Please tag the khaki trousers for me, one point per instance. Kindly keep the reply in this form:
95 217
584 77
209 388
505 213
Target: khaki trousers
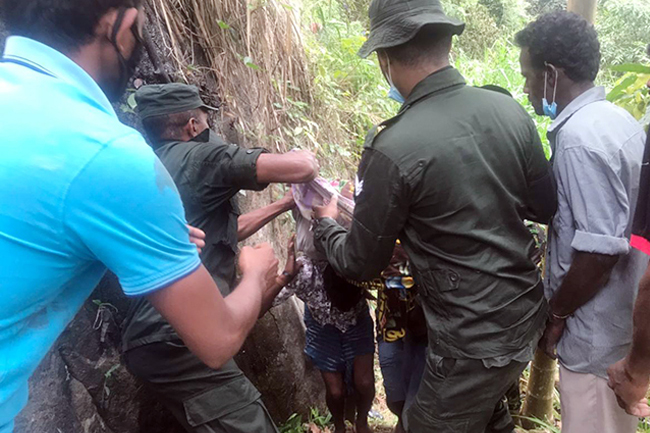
589 406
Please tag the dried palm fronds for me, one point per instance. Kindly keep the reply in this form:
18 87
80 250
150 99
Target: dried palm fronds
253 52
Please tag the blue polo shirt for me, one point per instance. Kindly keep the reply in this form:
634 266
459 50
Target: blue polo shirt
80 193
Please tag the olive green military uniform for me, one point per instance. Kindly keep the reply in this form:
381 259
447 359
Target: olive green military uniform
208 174
453 175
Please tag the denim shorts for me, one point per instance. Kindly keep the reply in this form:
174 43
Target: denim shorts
332 350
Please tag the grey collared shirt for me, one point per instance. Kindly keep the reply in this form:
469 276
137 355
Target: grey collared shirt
597 157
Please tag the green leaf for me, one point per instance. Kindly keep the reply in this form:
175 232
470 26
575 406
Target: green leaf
249 62
223 25
632 67
131 101
621 87
97 302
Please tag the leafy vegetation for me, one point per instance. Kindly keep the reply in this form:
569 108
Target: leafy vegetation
349 93
295 422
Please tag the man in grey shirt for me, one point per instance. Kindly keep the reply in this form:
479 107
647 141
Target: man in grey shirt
592 273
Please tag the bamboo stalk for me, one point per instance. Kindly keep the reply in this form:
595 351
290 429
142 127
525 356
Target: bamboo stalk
541 388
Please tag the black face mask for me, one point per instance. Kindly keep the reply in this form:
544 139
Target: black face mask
116 89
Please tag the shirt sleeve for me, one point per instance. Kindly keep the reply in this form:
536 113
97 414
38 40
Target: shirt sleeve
598 201
379 216
227 166
542 191
124 210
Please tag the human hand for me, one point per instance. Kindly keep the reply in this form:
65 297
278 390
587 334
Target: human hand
288 200
197 237
292 267
552 334
330 210
630 390
259 262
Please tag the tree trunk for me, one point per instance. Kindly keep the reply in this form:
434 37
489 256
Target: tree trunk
586 8
541 387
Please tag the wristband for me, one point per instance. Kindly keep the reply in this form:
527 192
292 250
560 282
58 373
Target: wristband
555 316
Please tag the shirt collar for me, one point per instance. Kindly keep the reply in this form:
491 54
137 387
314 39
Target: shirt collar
592 95
40 57
439 80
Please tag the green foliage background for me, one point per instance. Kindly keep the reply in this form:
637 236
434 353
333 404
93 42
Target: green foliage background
350 92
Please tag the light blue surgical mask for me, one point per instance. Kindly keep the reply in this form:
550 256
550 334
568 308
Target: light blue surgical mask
550 110
393 93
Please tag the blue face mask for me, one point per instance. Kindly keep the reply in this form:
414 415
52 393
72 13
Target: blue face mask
550 110
395 95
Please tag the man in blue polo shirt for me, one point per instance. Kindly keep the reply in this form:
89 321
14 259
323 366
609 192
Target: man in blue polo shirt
81 193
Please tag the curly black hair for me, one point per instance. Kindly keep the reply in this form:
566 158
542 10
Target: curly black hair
565 40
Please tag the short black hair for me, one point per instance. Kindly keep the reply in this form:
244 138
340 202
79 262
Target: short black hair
430 42
167 126
65 25
565 40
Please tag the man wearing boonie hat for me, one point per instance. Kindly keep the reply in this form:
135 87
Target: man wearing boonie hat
454 173
208 173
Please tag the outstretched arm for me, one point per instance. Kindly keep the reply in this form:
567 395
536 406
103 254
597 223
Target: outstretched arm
298 166
249 223
380 213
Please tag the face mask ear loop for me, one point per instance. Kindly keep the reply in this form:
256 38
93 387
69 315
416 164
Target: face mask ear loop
555 87
390 75
545 83
116 28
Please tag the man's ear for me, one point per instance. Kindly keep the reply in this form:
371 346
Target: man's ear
190 129
553 75
123 36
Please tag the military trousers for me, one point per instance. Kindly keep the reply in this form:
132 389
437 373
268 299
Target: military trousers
463 396
202 399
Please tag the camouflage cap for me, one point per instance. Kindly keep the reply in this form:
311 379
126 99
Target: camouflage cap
161 99
395 22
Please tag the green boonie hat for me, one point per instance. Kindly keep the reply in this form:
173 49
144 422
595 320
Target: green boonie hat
162 99
395 22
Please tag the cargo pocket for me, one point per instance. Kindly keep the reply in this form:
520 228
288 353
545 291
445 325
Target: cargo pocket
441 367
434 283
253 418
445 280
220 402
